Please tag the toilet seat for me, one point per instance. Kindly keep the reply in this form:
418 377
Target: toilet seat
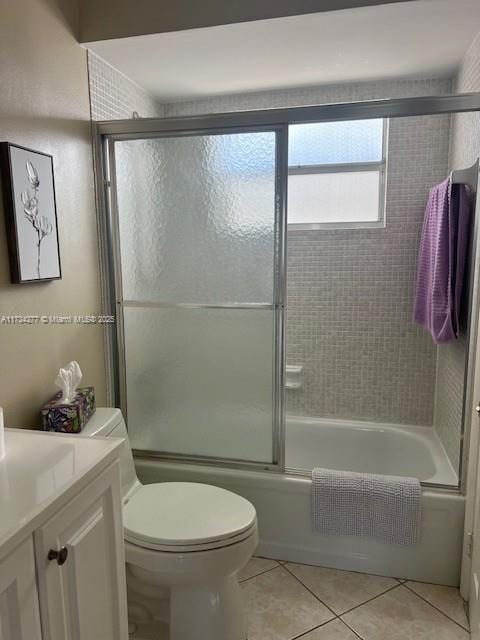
186 517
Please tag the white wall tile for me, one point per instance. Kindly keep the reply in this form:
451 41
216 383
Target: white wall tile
113 96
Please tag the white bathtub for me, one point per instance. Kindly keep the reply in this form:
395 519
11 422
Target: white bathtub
395 450
282 500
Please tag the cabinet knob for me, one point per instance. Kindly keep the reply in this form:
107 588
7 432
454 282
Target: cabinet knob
60 556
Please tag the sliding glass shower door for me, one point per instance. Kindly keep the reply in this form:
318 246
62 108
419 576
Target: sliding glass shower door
199 248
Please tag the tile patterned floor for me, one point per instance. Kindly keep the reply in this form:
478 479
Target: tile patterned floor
288 601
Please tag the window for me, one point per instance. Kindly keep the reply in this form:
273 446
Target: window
336 174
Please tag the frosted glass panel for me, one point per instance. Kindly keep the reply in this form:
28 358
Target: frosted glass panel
333 197
335 142
197 218
199 381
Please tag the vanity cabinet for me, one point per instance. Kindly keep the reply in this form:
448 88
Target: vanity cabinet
80 565
19 614
62 573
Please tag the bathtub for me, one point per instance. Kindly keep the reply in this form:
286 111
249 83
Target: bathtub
282 500
395 450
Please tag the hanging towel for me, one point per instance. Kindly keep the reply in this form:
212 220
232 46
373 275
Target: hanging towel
441 261
387 508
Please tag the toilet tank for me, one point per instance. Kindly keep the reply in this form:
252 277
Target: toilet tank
110 423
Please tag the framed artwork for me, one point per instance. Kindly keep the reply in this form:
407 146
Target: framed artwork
30 214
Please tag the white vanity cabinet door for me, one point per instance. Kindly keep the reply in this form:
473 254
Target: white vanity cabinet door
19 616
82 590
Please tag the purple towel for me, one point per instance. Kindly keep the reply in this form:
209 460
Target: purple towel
441 261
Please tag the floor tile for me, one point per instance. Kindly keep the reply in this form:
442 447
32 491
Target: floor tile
401 615
341 590
447 599
280 608
334 630
256 566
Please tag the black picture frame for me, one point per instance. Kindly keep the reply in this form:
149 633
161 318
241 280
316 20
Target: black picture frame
30 209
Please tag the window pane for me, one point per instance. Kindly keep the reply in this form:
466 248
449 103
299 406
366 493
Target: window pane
335 142
333 197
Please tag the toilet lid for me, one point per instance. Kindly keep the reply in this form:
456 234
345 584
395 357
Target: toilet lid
185 514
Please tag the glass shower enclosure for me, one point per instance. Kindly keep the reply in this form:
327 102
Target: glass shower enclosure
197 226
193 222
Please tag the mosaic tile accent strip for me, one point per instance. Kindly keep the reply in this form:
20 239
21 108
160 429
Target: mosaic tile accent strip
113 96
350 291
464 150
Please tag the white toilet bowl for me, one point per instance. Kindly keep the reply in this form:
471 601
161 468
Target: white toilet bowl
193 539
205 598
185 542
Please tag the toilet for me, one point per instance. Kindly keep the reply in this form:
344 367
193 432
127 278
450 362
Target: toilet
184 546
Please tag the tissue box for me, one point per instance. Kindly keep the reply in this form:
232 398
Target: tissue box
69 417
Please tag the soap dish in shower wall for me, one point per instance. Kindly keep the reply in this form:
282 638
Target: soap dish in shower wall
294 376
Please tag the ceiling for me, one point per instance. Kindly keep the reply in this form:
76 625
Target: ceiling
401 40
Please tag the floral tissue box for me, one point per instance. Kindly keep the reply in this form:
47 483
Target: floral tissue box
69 417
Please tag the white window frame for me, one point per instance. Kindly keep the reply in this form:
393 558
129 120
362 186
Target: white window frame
348 167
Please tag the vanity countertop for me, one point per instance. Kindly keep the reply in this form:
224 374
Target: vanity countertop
40 473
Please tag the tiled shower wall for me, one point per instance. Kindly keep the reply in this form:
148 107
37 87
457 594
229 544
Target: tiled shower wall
464 151
113 96
350 295
350 291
